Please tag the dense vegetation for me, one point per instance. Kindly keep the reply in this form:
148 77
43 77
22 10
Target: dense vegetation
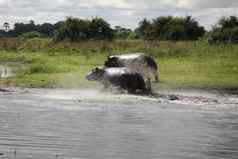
170 28
226 31
45 30
161 28
75 29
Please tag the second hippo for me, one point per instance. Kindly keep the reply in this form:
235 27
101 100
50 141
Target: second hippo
120 77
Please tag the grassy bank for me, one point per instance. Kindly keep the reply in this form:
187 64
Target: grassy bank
43 63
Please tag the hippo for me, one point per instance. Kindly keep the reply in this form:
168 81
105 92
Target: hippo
120 77
139 62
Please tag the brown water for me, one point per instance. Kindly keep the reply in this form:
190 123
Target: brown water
48 124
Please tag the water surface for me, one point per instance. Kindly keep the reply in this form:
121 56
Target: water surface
91 125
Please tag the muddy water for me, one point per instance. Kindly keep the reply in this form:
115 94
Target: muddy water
91 125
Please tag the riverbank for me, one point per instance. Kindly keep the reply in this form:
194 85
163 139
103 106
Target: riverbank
40 63
208 98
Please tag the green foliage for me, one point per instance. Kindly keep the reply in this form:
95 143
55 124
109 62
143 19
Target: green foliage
226 31
45 29
145 30
46 67
100 30
132 36
123 33
75 29
30 35
21 28
228 22
160 28
170 28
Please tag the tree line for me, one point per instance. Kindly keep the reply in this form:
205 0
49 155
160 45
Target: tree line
160 28
225 31
45 29
170 28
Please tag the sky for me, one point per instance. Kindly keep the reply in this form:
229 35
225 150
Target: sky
126 13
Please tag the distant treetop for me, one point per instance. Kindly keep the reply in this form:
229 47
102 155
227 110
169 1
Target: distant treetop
225 31
170 28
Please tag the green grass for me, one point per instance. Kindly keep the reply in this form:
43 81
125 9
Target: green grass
200 72
42 63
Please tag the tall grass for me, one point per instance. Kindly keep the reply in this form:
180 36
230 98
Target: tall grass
41 62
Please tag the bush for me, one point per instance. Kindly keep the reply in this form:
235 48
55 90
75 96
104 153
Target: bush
170 28
99 29
31 35
75 29
226 31
124 33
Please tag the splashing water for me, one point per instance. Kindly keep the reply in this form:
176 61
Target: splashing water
90 94
5 72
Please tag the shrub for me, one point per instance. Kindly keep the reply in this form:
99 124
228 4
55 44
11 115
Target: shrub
99 29
170 28
31 35
75 29
226 31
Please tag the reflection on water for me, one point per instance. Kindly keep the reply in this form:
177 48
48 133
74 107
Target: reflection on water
40 127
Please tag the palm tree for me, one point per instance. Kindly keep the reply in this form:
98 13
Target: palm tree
6 26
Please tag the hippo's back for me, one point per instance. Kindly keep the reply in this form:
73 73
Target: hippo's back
116 71
133 61
128 57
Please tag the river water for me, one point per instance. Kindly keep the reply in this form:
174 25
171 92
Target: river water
90 125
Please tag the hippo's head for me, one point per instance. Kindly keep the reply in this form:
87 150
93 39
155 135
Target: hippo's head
96 74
